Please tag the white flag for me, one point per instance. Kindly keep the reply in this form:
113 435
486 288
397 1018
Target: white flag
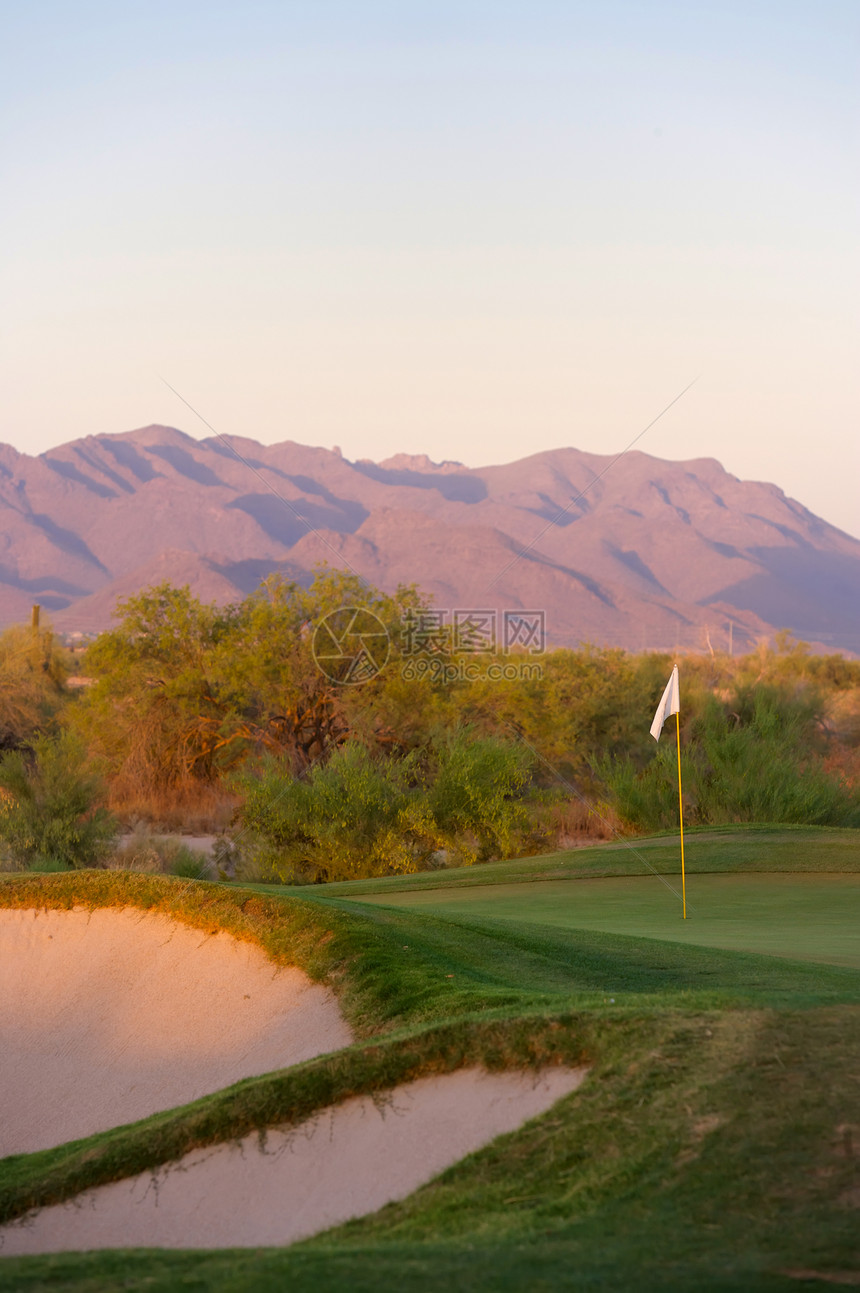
669 704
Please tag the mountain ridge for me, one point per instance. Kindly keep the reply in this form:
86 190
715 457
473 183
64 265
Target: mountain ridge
635 551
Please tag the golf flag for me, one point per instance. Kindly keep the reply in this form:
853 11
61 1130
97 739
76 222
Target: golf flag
669 704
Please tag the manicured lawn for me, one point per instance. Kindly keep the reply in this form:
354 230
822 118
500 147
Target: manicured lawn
814 917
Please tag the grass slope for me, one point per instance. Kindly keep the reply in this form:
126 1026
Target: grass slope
716 1144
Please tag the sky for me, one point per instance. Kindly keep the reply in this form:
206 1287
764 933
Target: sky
468 229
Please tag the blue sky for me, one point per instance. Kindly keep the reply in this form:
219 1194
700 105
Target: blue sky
473 230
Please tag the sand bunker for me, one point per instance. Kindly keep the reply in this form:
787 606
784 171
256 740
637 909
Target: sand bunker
347 1162
108 1016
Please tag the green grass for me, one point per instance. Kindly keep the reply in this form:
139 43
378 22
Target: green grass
481 962
814 917
715 1145
727 849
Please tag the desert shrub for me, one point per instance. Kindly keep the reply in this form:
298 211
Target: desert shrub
47 866
475 796
195 807
51 810
567 822
758 762
646 799
189 863
362 815
753 758
353 816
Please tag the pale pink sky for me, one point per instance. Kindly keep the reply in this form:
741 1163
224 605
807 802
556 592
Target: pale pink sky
473 230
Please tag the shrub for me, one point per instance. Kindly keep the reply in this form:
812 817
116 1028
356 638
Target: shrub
51 812
32 676
751 759
358 815
189 863
475 796
353 816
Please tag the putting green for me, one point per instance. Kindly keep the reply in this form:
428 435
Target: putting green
808 917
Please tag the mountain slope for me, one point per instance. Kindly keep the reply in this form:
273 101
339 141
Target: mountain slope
637 553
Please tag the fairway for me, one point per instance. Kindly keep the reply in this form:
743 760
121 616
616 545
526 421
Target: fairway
807 917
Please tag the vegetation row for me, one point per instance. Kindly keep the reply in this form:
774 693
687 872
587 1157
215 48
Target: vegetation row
221 720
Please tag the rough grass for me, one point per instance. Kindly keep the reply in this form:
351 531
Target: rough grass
715 1145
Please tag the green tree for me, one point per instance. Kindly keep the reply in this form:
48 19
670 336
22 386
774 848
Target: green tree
584 703
278 673
153 710
184 691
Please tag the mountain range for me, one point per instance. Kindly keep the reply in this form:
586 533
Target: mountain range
634 552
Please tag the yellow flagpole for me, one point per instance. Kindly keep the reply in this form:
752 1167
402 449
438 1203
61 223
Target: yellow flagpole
681 813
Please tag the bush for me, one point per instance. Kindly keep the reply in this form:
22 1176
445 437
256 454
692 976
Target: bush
353 816
475 796
360 815
50 811
751 759
189 863
32 676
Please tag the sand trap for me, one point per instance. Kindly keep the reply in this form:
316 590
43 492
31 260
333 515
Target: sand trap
347 1162
108 1016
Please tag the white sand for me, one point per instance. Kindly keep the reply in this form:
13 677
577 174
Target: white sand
348 1162
109 1016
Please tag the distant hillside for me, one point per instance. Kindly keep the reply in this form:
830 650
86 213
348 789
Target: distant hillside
653 554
